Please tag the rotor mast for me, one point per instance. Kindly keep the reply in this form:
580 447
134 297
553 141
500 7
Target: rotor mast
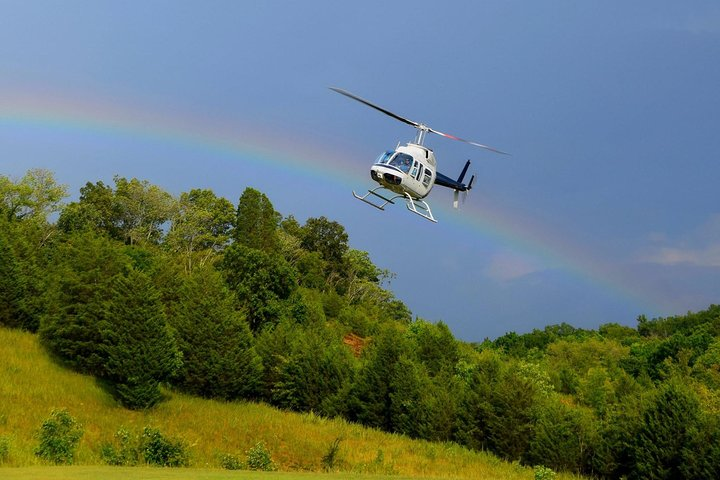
420 135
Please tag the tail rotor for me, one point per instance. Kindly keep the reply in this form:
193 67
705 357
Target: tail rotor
461 187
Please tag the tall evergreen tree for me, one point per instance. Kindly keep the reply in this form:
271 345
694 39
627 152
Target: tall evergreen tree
10 287
668 425
139 348
78 287
219 359
434 345
312 373
564 437
511 420
369 398
257 221
408 410
474 409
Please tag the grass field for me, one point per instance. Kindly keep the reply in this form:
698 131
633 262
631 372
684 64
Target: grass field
136 473
32 385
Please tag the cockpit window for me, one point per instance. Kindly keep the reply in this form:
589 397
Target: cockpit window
385 157
402 161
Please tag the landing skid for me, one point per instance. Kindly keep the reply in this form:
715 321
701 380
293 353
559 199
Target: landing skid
419 207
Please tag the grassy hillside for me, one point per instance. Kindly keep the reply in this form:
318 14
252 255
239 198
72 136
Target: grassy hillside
32 385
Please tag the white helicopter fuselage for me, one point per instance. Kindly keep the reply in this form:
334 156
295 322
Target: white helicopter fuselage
409 169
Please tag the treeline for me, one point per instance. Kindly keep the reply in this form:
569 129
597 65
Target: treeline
142 289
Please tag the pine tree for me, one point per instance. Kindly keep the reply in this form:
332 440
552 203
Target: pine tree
141 353
257 221
511 422
409 414
369 398
79 285
563 437
10 288
668 426
313 371
219 359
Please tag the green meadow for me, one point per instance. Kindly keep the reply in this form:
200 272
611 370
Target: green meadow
149 473
32 385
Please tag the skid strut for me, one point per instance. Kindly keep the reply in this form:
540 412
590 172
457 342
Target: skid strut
419 207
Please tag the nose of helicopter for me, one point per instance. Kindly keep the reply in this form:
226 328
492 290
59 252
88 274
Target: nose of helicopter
386 175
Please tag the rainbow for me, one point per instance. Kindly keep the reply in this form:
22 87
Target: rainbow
250 144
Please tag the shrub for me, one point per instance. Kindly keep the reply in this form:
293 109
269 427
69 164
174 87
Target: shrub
126 454
231 462
152 447
4 449
59 436
161 451
258 458
543 473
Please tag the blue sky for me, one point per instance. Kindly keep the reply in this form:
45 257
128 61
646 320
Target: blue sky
607 208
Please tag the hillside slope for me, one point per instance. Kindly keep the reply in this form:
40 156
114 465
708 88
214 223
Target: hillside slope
32 385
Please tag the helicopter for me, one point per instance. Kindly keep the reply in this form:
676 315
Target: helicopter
409 171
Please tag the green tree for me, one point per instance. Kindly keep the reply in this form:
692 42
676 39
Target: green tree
369 397
140 350
611 456
135 212
362 278
563 438
79 286
668 424
144 208
10 287
420 407
511 421
596 390
408 410
327 238
701 456
97 209
201 227
312 372
311 268
256 222
477 384
262 282
25 205
219 358
35 195
434 345
59 436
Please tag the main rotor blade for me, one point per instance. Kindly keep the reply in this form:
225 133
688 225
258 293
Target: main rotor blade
372 105
453 137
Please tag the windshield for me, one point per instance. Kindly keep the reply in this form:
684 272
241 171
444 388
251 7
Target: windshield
402 161
385 157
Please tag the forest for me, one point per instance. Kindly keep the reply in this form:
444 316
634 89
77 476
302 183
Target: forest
151 292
